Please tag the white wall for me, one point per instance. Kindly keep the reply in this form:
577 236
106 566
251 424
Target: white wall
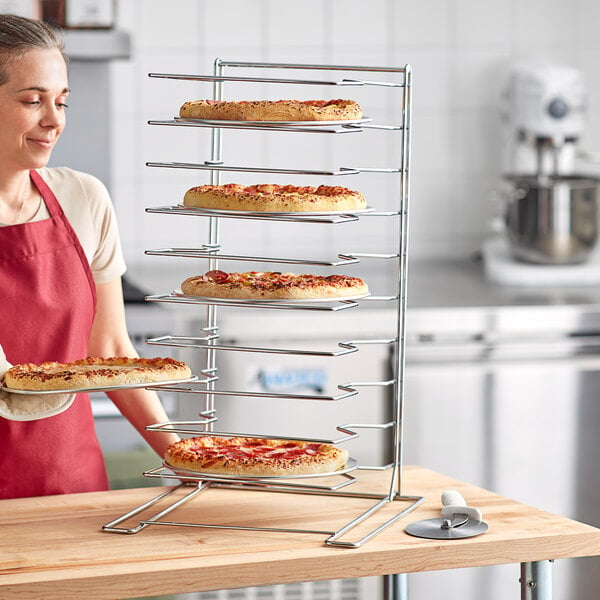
456 47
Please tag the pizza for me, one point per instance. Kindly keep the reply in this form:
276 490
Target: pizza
274 198
272 110
94 372
254 457
255 285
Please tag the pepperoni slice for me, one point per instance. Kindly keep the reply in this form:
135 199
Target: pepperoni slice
217 276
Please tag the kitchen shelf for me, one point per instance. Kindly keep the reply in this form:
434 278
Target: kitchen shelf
209 343
97 45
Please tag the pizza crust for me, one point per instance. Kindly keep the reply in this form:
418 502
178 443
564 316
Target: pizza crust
254 285
254 457
272 110
274 198
94 372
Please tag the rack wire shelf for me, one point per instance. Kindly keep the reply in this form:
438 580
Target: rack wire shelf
208 342
211 252
339 82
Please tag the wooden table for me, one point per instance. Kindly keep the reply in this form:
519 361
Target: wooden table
53 547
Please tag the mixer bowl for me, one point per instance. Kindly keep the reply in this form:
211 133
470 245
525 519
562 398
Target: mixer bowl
553 220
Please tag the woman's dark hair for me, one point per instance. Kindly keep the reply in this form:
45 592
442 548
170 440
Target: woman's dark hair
19 35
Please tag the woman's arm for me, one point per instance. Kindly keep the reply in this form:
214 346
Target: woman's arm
109 337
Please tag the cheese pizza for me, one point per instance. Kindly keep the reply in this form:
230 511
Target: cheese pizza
274 198
271 110
94 372
255 285
254 457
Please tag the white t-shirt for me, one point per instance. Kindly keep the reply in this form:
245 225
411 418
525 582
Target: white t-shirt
88 207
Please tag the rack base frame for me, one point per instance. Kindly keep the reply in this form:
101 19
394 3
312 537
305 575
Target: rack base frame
332 537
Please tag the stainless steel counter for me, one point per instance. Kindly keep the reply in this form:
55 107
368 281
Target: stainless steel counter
462 284
454 298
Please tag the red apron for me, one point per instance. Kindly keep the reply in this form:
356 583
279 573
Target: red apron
47 306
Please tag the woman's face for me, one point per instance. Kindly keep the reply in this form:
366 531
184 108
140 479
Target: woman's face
32 109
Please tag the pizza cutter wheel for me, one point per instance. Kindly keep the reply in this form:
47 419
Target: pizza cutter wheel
457 521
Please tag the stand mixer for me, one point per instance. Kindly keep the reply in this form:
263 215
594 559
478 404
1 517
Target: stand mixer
543 114
550 210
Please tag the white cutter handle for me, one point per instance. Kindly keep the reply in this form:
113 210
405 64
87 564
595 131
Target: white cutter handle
455 504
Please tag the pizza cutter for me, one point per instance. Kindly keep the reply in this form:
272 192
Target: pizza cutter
457 520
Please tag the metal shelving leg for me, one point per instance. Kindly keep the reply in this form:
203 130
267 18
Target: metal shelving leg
536 580
395 587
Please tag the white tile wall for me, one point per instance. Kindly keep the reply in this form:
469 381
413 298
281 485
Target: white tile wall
457 49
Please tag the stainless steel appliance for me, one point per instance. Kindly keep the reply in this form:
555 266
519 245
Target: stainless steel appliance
551 211
502 391
544 110
553 220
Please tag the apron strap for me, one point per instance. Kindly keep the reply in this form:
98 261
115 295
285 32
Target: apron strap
56 211
52 204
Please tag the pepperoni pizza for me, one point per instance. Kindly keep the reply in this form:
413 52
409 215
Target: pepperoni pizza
254 457
255 285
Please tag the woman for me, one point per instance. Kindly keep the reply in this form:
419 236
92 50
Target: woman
60 273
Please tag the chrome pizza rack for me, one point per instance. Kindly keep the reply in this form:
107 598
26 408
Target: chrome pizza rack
331 485
331 305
